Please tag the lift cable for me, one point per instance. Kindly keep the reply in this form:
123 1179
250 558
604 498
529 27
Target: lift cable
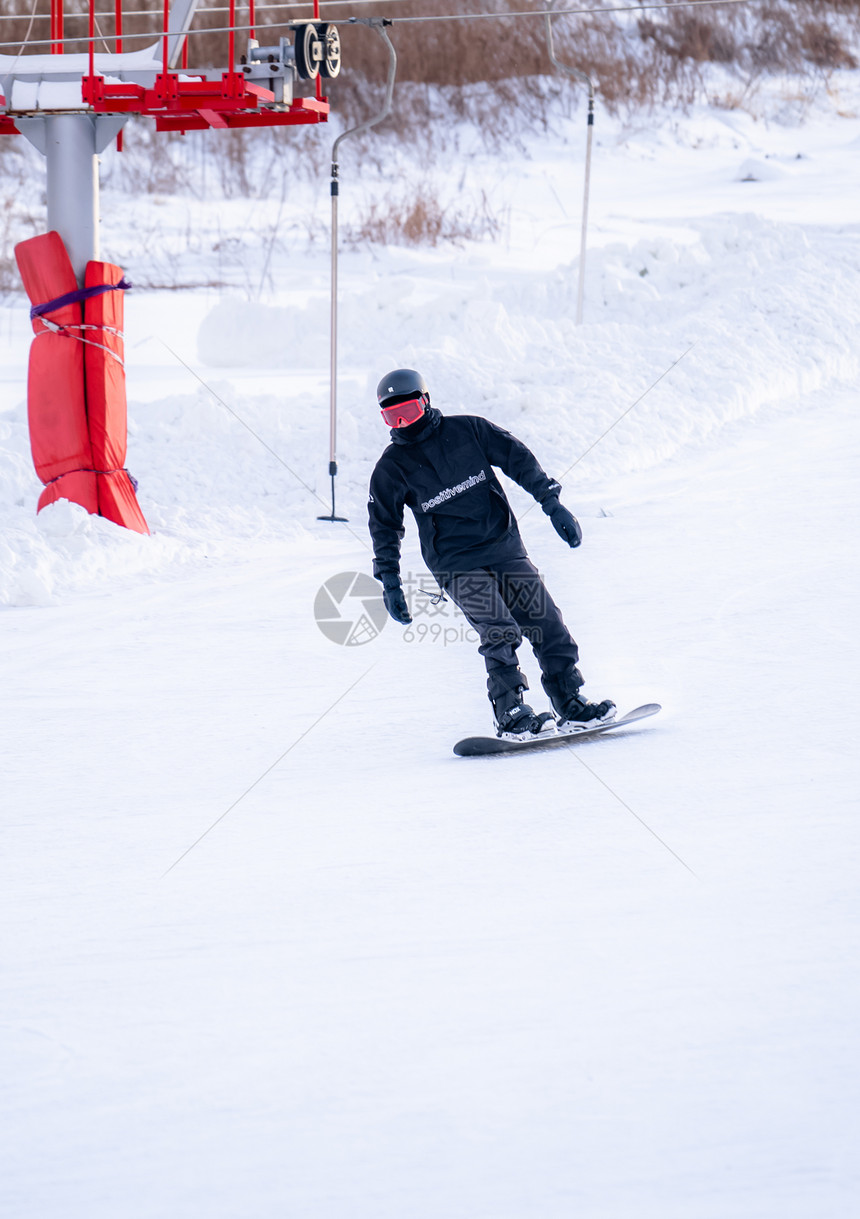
542 12
560 12
271 8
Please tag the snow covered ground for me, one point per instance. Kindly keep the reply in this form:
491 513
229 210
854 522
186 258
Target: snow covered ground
269 949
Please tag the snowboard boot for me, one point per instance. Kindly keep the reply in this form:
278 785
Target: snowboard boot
572 709
515 719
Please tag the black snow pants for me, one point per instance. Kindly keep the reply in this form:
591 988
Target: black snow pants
505 604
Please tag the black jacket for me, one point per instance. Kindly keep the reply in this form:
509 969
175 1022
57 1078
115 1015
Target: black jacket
441 468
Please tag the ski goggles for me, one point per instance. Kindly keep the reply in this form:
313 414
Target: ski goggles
404 413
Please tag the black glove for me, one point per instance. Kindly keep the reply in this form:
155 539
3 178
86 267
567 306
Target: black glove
395 601
563 522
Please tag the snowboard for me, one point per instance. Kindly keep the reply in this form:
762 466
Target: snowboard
481 746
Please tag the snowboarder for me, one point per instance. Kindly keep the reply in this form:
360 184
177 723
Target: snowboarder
441 467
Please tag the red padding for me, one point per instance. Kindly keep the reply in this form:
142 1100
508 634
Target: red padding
59 437
118 501
104 369
107 412
79 486
76 387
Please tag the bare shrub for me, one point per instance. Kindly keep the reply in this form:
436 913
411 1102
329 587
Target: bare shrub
153 163
17 221
458 80
696 38
421 219
825 48
13 228
234 165
774 45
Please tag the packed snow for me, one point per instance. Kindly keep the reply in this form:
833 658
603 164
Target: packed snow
269 948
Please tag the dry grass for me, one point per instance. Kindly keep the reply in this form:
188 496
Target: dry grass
17 221
423 220
492 77
636 60
825 49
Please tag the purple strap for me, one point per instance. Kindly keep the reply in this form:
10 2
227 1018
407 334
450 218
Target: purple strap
89 470
80 294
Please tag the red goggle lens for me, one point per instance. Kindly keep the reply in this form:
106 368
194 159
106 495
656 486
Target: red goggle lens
403 413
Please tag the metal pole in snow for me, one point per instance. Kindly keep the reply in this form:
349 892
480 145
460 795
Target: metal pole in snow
70 144
378 24
72 185
332 464
575 72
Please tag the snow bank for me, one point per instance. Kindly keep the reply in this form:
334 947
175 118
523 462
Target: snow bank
765 312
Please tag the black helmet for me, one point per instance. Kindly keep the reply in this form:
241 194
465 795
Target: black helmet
401 385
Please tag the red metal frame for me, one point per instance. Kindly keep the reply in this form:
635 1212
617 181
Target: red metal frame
164 38
184 105
190 105
118 49
57 26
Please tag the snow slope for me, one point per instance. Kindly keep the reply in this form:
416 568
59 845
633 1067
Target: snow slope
268 948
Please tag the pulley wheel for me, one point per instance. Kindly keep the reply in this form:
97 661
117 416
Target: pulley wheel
330 39
309 52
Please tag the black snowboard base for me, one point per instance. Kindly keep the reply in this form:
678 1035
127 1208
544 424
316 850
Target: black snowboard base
481 746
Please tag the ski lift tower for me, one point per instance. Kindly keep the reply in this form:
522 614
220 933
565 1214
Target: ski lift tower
70 102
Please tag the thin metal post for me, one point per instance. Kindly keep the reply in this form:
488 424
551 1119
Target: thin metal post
332 464
379 24
586 79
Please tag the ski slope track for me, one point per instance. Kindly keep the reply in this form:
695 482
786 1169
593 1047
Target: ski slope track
268 949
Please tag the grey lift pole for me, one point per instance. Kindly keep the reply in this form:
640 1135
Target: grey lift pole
71 143
575 72
379 24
